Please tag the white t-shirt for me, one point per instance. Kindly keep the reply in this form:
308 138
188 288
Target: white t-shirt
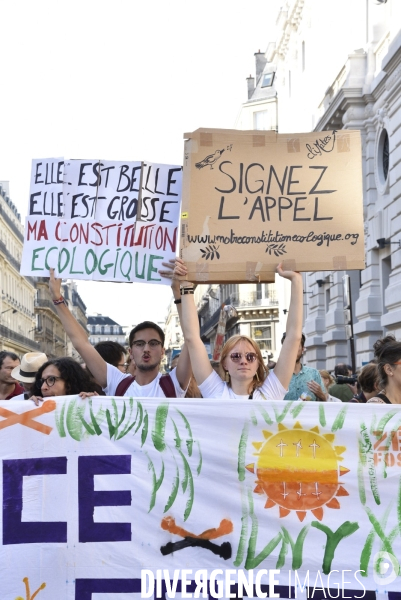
151 390
214 387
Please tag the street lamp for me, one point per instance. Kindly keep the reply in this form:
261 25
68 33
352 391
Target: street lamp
8 309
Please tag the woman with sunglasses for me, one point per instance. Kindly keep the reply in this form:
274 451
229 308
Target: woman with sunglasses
241 363
63 377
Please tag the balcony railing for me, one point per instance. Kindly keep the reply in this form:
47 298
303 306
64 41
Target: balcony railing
254 299
5 332
251 299
41 303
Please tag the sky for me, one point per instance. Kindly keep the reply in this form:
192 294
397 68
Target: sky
121 80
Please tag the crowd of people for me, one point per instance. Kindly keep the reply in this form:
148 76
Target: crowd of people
109 369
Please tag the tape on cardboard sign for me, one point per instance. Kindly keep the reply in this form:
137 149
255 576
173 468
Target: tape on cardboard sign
252 271
184 215
202 271
289 265
293 145
206 139
344 142
258 141
339 263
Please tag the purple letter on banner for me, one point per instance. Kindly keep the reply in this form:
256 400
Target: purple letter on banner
84 588
14 531
88 466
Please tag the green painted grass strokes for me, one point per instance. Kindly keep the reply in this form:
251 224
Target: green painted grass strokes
296 548
252 561
129 425
177 438
264 414
73 420
322 415
189 441
144 432
366 452
59 417
244 528
379 530
151 468
384 420
159 429
361 479
191 490
174 489
242 451
94 419
340 418
297 409
281 416
199 467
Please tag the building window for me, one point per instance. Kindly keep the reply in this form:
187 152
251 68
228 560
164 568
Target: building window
102 330
261 332
267 80
303 56
261 120
383 156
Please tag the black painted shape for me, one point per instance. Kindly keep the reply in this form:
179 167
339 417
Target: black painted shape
224 551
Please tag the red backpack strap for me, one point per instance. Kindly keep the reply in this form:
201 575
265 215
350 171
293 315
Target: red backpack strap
124 385
167 385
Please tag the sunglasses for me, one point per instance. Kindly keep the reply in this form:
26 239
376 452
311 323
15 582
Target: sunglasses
249 356
49 381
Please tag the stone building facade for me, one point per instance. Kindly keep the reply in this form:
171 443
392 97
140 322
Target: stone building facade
17 318
104 329
338 66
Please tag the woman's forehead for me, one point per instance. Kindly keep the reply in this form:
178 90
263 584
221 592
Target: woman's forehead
243 346
51 370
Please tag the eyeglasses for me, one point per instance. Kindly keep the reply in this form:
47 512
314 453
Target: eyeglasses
123 364
49 381
249 356
141 343
397 363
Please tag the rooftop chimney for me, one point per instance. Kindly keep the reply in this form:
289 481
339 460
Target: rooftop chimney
251 86
260 62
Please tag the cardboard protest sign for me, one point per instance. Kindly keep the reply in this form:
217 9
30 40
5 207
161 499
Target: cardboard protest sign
122 495
101 220
254 198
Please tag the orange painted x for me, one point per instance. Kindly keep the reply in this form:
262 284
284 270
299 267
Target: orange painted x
26 418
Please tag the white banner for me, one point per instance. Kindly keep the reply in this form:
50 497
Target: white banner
102 220
124 498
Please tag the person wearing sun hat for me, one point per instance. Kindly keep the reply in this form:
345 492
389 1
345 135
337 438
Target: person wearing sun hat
25 372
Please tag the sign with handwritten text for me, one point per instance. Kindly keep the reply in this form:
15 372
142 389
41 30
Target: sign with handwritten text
139 496
254 198
101 220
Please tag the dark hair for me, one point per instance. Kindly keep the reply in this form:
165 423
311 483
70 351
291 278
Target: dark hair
302 339
341 369
146 325
111 352
368 378
387 352
75 377
4 354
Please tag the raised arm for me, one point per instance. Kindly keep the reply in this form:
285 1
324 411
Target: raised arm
77 334
288 355
190 327
184 370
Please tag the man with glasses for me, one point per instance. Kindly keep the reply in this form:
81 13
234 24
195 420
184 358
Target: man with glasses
146 342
